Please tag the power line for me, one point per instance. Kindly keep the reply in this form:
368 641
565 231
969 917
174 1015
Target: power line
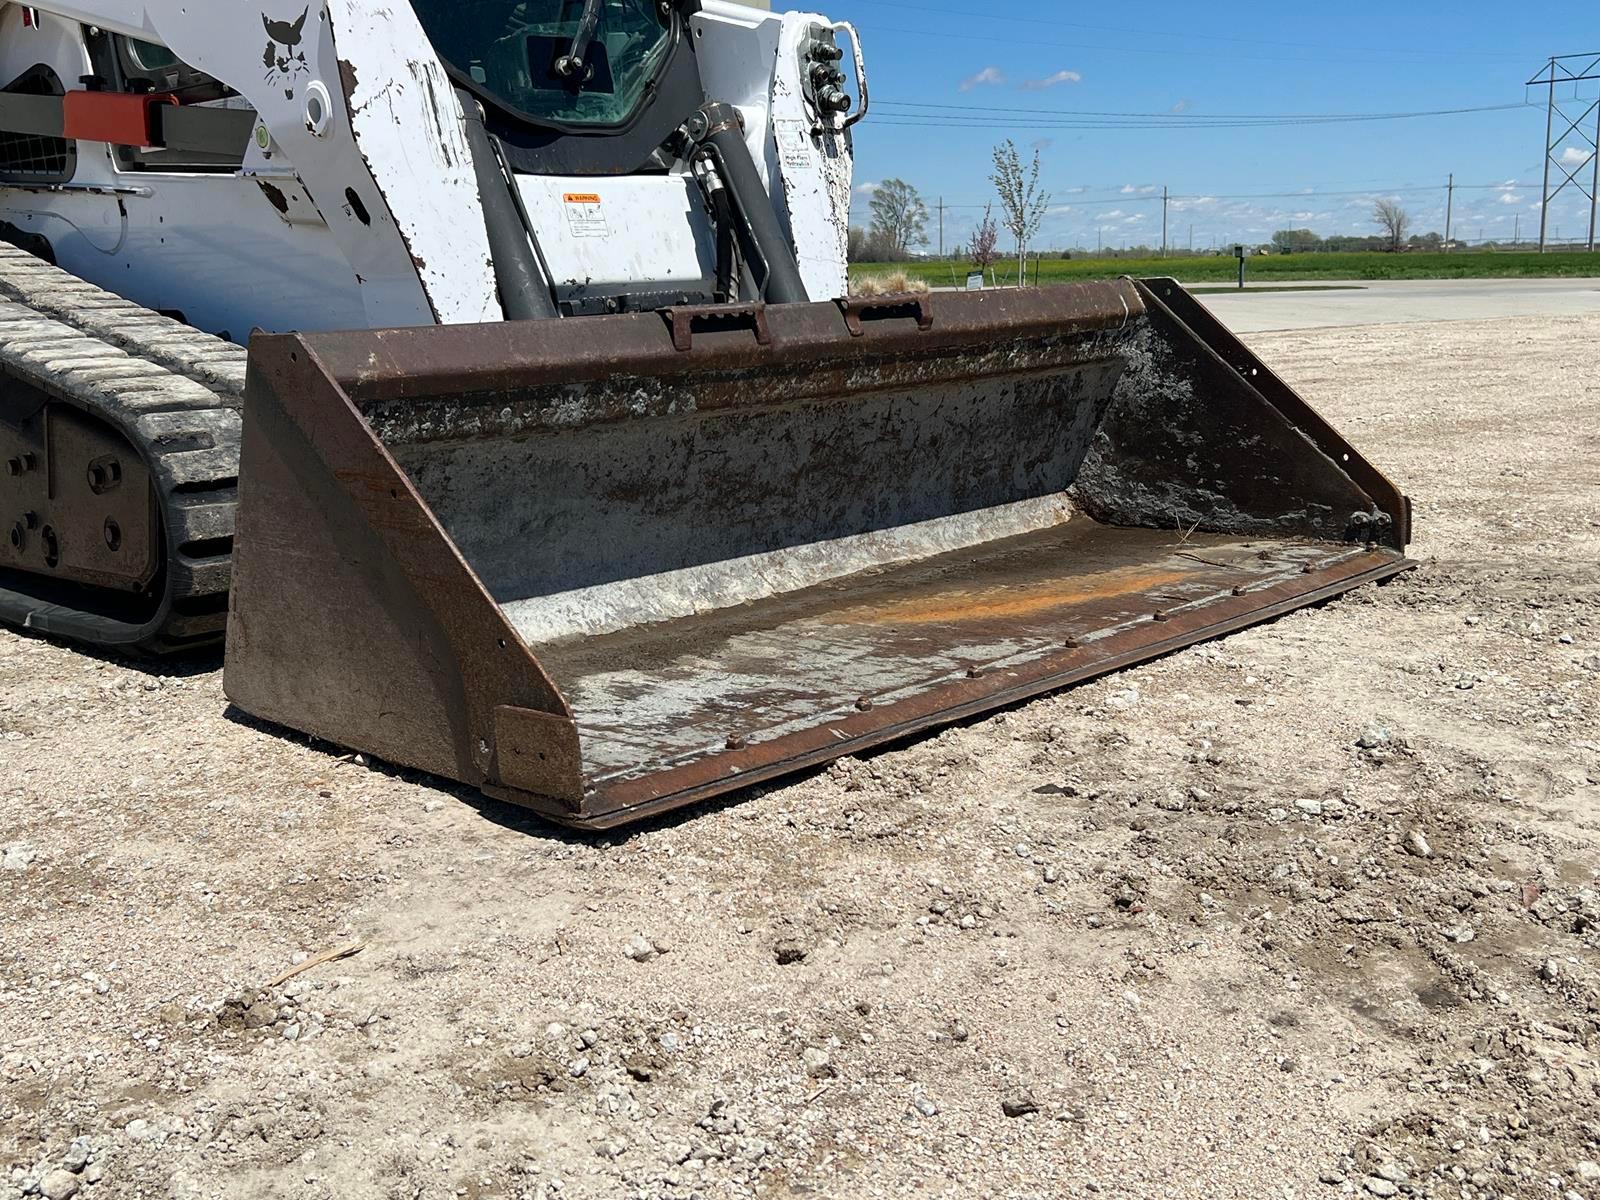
1126 50
1318 47
1186 118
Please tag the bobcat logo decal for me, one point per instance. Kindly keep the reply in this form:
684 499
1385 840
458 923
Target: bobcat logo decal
285 59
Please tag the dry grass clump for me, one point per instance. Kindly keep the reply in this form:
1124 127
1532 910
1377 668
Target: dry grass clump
895 283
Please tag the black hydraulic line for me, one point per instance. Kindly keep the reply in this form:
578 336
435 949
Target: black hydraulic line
524 290
717 130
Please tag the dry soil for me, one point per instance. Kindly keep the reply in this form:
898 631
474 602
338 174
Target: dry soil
1309 911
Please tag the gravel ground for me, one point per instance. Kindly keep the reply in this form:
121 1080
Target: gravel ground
1310 911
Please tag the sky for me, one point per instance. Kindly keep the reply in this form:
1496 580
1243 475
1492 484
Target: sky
951 78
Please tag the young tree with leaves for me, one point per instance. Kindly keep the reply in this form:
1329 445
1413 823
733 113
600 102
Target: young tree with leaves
1023 204
899 217
985 245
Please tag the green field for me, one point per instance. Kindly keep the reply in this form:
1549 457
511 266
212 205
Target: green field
1266 268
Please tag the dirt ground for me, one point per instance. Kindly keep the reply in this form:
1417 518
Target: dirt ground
1306 912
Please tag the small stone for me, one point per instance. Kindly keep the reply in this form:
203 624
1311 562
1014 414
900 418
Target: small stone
1550 970
818 1065
1051 874
1019 1105
76 1157
1173 801
1393 1172
969 922
291 1031
1417 843
1375 737
432 806
925 1106
59 1185
260 1015
1379 1186
639 948
521 1050
578 1068
588 1038
1331 1177
1589 1171
1312 808
94 1172
18 857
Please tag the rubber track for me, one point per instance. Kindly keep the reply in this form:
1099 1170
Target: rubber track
174 393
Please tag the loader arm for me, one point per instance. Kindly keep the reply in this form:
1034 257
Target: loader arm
353 103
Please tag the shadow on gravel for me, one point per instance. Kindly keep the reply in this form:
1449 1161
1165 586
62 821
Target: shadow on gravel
188 665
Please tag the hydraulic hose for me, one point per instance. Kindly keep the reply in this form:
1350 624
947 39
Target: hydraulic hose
718 131
524 290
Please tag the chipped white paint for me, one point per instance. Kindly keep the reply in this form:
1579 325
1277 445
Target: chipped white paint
412 261
357 203
815 165
407 122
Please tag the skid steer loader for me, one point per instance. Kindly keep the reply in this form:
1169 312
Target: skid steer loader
562 463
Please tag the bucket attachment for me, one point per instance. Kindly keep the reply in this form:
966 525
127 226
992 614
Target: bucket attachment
606 566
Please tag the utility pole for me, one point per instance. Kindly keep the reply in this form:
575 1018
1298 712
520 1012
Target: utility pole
1449 210
1099 236
1549 124
1564 69
1163 221
1191 237
1516 231
1594 186
941 226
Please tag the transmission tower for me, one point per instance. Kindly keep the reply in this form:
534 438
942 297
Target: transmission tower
1566 115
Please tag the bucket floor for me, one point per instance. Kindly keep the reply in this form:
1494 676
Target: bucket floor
656 697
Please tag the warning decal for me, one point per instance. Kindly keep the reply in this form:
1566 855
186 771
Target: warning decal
585 217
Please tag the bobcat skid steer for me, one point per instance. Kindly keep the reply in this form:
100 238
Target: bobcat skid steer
561 462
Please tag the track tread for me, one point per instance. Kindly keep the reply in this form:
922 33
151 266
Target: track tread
174 393
32 287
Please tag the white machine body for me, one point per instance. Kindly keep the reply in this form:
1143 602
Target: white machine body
353 202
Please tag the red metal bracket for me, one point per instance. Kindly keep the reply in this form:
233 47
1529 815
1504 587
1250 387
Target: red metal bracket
120 118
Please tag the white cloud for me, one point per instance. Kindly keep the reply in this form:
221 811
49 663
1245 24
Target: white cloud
1115 214
1573 157
1510 198
865 189
1050 81
989 75
1180 106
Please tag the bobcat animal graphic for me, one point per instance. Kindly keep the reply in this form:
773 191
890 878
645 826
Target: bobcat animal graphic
284 58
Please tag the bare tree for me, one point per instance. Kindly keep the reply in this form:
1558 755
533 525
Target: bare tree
899 217
1395 222
984 247
1021 201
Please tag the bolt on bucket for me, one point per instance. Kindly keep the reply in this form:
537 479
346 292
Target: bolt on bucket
607 566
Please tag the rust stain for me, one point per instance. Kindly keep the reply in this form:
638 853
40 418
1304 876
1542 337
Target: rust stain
947 607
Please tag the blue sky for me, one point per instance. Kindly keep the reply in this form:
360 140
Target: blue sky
1192 64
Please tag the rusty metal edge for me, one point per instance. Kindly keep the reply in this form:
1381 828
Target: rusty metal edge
380 366
1180 306
610 806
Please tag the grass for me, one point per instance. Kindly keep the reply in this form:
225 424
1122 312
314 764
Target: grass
1267 267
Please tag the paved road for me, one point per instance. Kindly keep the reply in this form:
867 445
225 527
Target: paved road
1393 302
